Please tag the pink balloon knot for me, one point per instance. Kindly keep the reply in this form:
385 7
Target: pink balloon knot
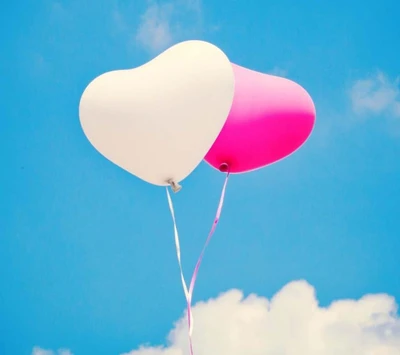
224 167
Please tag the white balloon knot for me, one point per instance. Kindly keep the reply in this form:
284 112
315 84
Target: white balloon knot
174 185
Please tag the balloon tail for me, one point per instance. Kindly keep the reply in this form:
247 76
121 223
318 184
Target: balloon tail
189 293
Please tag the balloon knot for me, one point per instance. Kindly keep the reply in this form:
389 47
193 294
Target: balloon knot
224 167
174 185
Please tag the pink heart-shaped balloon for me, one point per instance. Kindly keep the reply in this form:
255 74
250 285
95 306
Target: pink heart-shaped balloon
270 118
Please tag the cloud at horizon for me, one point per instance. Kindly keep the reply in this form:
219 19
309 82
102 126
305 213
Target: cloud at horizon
290 323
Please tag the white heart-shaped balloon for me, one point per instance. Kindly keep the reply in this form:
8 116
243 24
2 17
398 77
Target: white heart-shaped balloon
159 120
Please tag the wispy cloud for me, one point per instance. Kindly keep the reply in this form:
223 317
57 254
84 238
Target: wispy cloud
155 29
165 23
39 351
278 71
291 323
376 95
396 109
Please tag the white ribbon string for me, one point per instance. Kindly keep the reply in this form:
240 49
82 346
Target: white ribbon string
189 293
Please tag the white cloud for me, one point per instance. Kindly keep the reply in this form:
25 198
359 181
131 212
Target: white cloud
291 323
163 24
376 95
39 351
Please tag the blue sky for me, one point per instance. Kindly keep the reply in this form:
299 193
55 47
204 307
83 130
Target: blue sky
87 254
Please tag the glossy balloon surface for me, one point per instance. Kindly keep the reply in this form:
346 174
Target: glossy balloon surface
270 118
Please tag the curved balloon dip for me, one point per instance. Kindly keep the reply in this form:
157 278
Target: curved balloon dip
160 120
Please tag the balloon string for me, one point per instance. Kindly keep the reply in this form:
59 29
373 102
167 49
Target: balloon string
177 244
189 294
178 254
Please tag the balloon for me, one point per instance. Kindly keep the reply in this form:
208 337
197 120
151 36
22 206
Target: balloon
270 118
159 120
